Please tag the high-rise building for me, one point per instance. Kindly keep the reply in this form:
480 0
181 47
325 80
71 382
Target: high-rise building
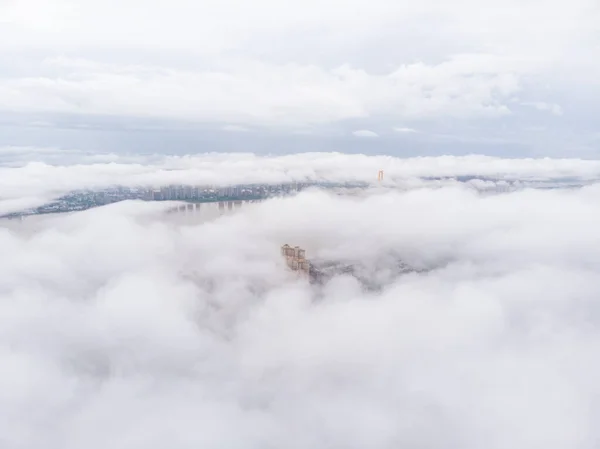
296 259
164 193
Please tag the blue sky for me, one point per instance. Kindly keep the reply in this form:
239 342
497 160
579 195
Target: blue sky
506 78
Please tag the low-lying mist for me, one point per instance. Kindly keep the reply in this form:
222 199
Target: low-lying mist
127 327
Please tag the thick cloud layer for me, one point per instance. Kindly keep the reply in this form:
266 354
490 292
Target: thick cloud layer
122 327
520 74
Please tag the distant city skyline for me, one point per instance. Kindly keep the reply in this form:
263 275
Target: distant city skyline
83 199
79 200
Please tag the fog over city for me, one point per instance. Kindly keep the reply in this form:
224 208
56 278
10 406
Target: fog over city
124 326
32 176
433 167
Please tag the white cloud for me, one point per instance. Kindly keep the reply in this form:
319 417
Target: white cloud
365 133
404 130
216 27
264 93
230 62
121 328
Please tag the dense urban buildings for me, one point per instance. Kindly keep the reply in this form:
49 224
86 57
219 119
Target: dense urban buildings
87 199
